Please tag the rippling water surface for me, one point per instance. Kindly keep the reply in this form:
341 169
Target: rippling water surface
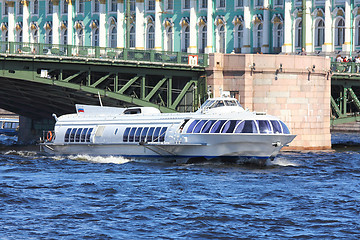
299 195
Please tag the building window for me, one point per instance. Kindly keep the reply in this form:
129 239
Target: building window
49 7
258 36
65 6
48 37
298 33
34 36
151 5
113 38
132 5
319 33
20 7
221 3
239 3
80 6
203 3
203 39
169 4
339 32
278 3
36 7
80 37
185 38
239 38
221 39
6 9
278 37
259 3
19 36
64 37
186 4
95 37
113 5
96 6
132 37
357 33
169 39
150 38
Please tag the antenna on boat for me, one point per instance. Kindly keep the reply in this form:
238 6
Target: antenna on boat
100 99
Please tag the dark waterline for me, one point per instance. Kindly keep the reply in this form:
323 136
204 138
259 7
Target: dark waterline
300 195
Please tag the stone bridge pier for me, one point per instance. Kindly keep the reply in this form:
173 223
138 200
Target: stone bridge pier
295 88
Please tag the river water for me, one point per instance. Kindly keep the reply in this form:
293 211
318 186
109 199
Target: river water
314 195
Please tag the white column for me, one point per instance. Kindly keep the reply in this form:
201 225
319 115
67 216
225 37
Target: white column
26 22
288 29
102 22
11 22
70 23
120 24
140 34
328 43
266 28
193 33
210 27
246 48
158 35
347 43
55 22
309 30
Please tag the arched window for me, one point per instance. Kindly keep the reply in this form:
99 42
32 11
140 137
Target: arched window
319 33
65 7
19 36
221 39
50 7
239 36
203 39
64 37
340 32
48 37
169 39
113 38
278 35
80 37
298 33
185 39
258 36
95 37
357 32
35 37
150 43
132 37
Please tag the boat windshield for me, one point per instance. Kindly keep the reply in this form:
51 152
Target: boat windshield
221 103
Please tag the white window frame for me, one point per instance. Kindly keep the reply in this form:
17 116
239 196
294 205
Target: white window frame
64 6
278 3
316 33
132 37
218 2
34 37
338 43
357 31
183 5
298 33
33 8
166 6
201 6
202 45
150 43
48 37
110 4
5 8
169 40
93 3
147 7
112 36
258 35
219 39
95 37
49 6
79 37
236 37
259 3
19 8
185 35
63 36
237 6
78 4
278 39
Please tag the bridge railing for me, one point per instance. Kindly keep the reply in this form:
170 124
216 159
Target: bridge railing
345 67
103 53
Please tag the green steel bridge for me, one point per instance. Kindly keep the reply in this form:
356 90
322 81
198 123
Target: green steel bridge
345 92
40 79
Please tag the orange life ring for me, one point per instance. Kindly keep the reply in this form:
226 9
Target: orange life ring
49 136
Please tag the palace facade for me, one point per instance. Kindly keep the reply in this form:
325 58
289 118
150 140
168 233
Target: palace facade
240 26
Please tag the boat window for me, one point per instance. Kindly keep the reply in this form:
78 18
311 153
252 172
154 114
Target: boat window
77 135
149 135
67 134
132 111
199 126
162 134
132 133
230 103
219 103
247 126
264 126
83 134
207 126
137 134
276 126
126 134
15 125
230 126
7 125
192 125
284 128
217 126
156 134
72 134
88 134
143 134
